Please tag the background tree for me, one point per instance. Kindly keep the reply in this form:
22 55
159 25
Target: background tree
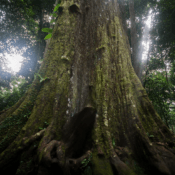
135 12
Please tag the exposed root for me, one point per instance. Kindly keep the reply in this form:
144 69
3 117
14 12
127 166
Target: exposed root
47 158
119 166
54 155
28 141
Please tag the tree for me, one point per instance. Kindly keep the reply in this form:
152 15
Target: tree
86 112
134 42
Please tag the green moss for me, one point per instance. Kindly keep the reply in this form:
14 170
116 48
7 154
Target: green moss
12 125
101 47
101 166
63 148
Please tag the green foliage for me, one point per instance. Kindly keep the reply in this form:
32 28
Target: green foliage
149 135
44 126
54 15
47 30
160 89
8 97
52 21
113 142
163 39
11 126
48 36
85 162
86 165
56 7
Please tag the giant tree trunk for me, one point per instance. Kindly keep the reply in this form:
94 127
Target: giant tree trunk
91 105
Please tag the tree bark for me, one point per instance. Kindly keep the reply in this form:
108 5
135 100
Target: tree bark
87 112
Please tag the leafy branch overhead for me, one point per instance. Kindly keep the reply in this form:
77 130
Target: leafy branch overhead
56 8
86 161
49 30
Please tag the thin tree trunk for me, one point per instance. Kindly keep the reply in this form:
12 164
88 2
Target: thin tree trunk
123 13
134 41
87 112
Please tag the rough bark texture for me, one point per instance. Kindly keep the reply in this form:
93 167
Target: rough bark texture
91 114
